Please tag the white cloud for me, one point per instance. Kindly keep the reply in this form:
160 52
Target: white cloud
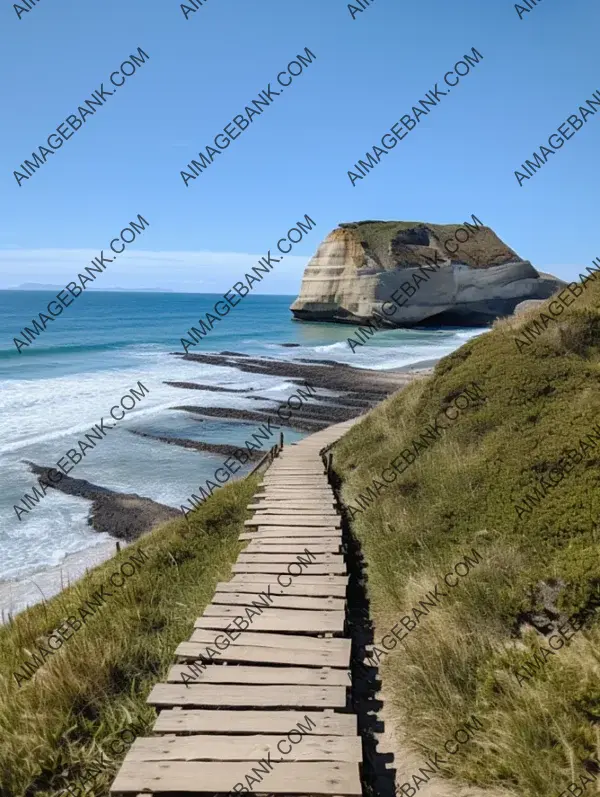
191 272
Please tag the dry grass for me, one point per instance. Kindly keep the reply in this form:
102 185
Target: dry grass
56 727
460 494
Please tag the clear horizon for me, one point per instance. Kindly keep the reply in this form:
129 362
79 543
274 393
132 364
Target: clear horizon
134 290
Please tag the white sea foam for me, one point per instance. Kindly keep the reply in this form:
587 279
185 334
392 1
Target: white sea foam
332 347
40 418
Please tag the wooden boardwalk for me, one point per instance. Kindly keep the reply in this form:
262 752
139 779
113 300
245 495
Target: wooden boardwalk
257 700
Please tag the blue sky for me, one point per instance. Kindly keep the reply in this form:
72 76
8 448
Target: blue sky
294 159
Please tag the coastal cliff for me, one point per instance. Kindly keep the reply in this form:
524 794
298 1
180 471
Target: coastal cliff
430 273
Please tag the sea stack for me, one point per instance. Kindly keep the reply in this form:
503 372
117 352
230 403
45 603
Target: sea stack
438 274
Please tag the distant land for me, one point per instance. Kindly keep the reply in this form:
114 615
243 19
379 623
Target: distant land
40 286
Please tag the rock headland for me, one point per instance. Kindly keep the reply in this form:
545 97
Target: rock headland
434 274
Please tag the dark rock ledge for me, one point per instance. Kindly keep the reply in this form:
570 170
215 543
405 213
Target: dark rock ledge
342 392
123 515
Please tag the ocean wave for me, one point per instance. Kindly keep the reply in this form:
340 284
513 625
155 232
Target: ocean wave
470 333
80 428
339 346
76 348
54 393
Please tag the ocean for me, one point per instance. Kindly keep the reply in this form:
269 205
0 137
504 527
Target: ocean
66 380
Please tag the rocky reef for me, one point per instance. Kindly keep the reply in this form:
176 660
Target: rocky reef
437 274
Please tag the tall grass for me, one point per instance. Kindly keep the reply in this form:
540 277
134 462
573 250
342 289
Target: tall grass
56 727
460 494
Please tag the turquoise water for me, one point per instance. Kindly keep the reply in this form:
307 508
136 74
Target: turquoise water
99 348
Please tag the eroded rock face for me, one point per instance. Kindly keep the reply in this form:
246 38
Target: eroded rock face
424 271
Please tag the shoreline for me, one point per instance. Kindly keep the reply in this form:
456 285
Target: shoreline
361 388
18 594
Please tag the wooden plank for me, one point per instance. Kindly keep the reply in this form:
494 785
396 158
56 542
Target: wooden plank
310 464
293 505
297 520
296 481
272 545
296 493
289 558
293 531
317 485
294 511
262 655
291 456
297 588
298 487
293 462
275 620
295 490
265 578
299 543
279 568
299 493
326 502
308 471
328 723
297 507
273 554
281 601
247 696
289 642
307 476
289 778
298 469
241 674
297 484
212 747
324 529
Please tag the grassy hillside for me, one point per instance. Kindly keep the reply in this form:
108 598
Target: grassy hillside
57 727
539 564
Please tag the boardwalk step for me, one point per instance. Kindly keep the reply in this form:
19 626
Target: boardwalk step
300 586
273 640
309 491
317 723
241 674
209 747
317 478
269 578
298 542
299 519
219 617
280 567
290 531
281 601
289 558
261 654
271 545
294 511
247 695
323 778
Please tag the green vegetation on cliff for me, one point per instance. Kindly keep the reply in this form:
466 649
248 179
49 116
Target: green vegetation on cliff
57 727
539 566
397 244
